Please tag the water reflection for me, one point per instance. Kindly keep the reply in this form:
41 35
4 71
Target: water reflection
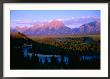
58 59
30 55
48 58
89 58
42 58
66 59
25 50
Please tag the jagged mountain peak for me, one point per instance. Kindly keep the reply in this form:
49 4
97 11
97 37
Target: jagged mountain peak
92 27
56 24
55 27
53 24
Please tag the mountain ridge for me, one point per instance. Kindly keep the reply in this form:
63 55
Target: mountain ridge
57 27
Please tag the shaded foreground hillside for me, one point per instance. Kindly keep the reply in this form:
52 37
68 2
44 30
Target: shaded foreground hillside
54 52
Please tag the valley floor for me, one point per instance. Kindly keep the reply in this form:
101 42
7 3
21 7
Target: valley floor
55 52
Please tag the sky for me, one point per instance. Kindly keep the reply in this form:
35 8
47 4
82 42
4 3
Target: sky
71 18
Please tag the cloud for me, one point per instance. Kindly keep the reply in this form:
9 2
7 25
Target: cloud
23 22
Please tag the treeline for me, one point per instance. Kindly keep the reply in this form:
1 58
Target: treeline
71 45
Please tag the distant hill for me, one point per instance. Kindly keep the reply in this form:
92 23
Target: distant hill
56 27
18 35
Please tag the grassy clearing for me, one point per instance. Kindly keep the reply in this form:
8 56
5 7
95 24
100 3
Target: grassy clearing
53 37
